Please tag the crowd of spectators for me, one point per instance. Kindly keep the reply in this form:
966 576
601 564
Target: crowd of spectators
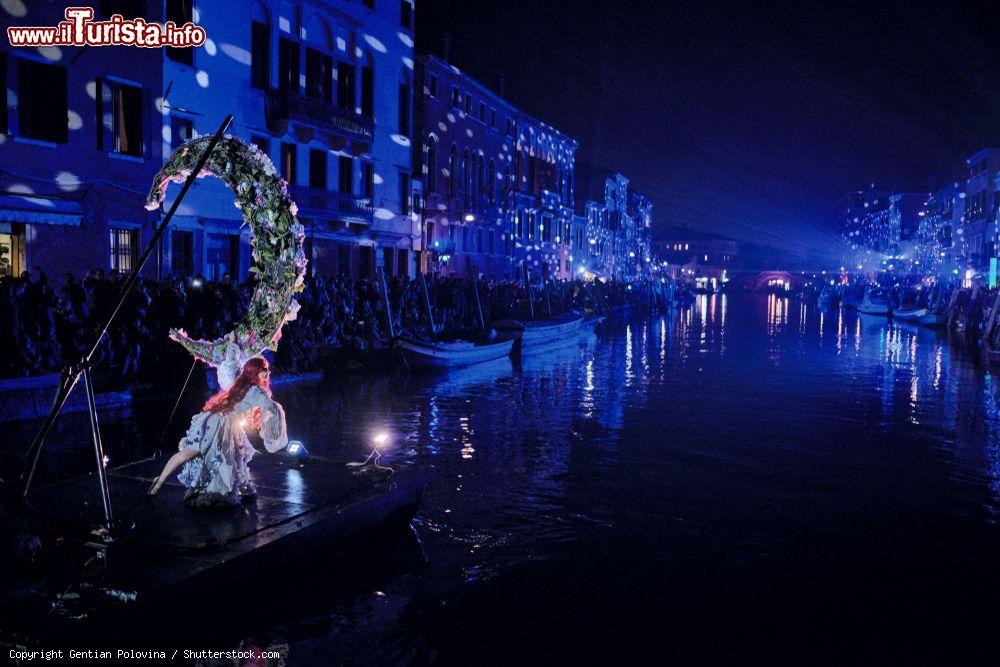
46 326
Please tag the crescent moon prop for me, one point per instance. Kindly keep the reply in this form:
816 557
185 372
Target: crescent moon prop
279 261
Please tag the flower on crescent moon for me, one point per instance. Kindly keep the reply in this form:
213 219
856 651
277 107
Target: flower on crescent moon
279 260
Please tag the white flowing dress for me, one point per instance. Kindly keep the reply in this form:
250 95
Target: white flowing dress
220 474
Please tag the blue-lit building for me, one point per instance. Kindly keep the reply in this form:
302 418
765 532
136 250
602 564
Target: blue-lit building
498 183
619 232
324 88
977 232
864 218
79 146
935 240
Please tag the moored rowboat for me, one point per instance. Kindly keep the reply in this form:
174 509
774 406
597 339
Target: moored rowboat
453 354
911 315
545 334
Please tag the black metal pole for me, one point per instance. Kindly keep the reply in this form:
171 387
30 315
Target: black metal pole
72 375
95 431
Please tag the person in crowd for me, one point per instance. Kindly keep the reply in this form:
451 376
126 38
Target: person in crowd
48 327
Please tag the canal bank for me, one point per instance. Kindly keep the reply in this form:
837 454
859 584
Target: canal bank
752 477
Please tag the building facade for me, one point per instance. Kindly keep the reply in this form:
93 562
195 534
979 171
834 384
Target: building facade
498 183
79 146
686 254
935 240
619 232
864 219
323 88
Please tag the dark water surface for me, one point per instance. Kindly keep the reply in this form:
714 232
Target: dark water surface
753 478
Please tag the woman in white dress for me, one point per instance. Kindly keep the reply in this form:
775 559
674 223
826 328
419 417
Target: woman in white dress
215 452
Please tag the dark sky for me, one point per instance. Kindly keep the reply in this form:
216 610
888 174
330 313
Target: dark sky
750 121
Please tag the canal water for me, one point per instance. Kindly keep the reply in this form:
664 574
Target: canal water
751 478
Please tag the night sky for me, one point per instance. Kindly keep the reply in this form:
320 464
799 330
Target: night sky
749 122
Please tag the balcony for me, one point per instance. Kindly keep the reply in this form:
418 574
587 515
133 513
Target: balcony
331 206
310 118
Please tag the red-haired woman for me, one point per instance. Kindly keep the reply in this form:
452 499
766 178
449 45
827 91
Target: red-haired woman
215 452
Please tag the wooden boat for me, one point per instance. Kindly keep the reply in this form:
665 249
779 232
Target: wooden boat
873 306
545 334
454 354
909 315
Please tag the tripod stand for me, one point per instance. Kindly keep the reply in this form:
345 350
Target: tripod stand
71 374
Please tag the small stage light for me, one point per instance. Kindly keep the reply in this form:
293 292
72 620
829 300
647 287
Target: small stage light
296 450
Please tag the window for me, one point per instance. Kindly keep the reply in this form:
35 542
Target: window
124 249
406 14
288 65
368 90
181 130
345 175
317 169
491 179
456 98
404 193
126 118
368 178
180 12
370 4
41 101
510 127
260 55
430 232
453 171
493 118
482 113
289 153
468 104
319 68
432 86
262 143
345 85
430 164
181 253
404 106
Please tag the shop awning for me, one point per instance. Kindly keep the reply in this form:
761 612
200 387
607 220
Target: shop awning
39 210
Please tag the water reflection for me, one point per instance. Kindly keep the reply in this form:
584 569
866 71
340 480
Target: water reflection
743 430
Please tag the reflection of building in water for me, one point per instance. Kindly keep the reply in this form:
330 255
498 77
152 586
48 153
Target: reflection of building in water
777 313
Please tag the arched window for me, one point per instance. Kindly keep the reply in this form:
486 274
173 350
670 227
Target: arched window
260 47
453 171
466 172
430 162
480 176
491 180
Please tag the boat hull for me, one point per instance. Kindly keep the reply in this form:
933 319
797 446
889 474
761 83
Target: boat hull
540 336
911 316
445 355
